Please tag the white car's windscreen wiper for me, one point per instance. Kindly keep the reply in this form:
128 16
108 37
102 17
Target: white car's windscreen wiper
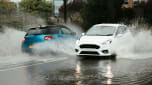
99 34
108 35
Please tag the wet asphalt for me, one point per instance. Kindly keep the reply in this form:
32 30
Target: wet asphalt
73 70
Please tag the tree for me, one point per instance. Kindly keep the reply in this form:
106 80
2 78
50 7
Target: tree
101 11
73 10
7 11
128 15
72 7
148 12
37 7
7 8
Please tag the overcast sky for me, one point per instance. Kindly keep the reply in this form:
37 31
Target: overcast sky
15 0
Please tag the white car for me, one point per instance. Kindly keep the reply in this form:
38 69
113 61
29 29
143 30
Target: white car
98 39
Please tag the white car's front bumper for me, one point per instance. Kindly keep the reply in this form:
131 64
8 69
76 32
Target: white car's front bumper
93 49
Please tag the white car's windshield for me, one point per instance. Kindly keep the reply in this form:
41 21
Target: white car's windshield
101 30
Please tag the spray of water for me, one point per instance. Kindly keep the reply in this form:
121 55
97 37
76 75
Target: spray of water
10 43
135 46
78 30
60 46
56 47
29 20
10 47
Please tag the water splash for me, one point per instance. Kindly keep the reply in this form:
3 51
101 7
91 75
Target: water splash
137 46
10 43
60 46
10 47
56 47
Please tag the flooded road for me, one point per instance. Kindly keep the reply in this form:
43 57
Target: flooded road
72 70
62 67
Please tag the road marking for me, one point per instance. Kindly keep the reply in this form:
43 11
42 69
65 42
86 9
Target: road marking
43 62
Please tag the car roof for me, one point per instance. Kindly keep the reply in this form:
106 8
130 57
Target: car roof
116 25
45 27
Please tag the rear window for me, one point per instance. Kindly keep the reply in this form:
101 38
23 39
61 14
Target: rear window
43 30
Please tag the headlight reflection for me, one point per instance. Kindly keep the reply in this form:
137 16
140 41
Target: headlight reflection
78 74
109 75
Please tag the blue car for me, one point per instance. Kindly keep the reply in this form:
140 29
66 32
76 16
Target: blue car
45 34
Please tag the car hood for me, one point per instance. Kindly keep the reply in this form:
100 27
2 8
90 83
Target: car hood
99 39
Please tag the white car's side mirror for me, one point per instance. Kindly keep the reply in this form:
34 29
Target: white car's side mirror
119 35
83 34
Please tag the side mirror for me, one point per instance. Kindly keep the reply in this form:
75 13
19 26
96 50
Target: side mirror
119 35
83 34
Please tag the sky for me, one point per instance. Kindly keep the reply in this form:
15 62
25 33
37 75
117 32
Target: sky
15 0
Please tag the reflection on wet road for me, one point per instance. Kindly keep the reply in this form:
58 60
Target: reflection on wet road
71 70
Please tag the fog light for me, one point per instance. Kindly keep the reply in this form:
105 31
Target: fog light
105 51
76 50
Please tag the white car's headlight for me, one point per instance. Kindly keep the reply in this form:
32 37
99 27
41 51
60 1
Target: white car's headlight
107 42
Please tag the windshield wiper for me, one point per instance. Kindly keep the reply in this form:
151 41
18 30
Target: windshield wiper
103 35
99 35
108 35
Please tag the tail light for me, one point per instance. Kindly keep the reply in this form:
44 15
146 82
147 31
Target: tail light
48 37
23 40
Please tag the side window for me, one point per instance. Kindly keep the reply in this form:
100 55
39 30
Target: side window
121 30
66 31
52 31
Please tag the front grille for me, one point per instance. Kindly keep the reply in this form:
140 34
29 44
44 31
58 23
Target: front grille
89 46
89 52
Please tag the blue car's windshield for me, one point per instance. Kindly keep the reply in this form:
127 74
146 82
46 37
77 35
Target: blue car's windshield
43 31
